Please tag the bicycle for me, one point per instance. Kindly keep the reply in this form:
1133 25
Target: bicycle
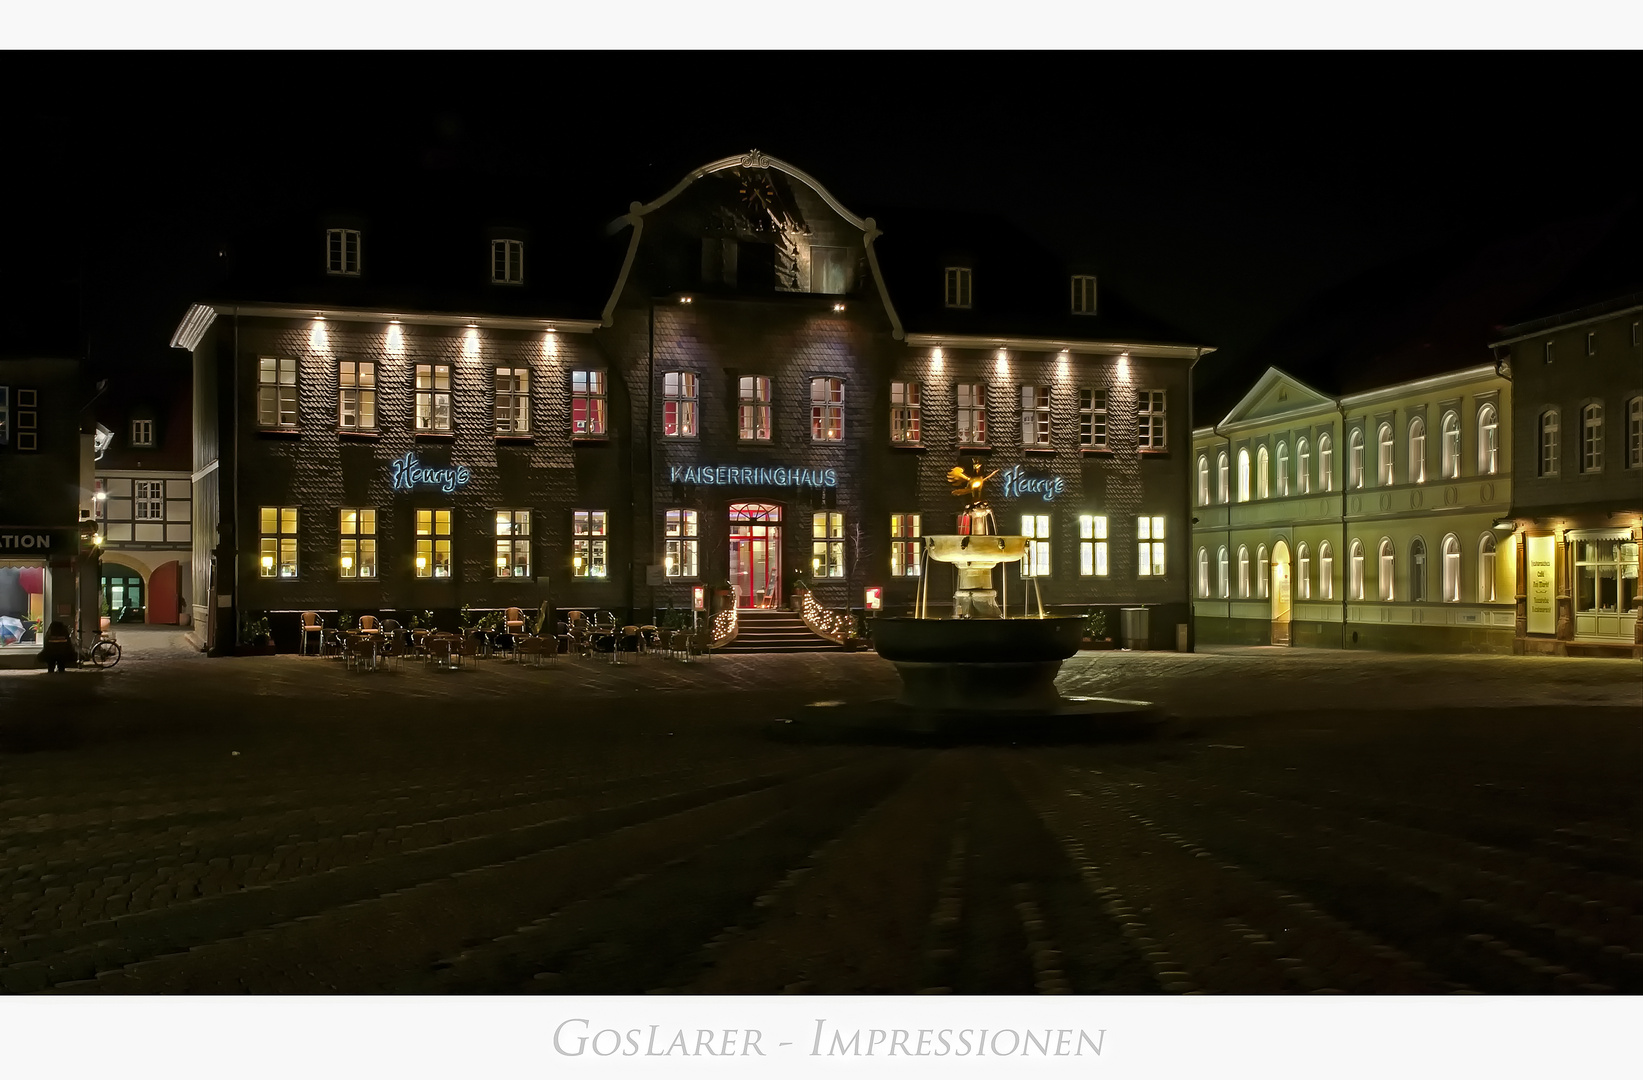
104 652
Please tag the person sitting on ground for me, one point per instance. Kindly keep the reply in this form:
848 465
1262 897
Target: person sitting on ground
58 650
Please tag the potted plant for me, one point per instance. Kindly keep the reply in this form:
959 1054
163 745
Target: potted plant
345 620
255 635
106 613
1095 630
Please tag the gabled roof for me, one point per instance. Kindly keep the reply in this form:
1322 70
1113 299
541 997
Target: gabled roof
1275 394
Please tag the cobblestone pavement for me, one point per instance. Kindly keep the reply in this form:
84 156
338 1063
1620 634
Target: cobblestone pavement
1309 821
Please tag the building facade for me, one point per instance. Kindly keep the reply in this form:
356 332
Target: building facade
749 408
1577 508
1368 520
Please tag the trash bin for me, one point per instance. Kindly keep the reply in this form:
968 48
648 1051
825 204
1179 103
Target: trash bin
1135 627
1181 641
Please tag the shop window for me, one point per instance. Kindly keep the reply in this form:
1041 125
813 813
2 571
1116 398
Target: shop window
904 545
513 543
1243 475
513 401
1354 460
1083 289
1388 566
433 543
1035 416
827 544
1486 569
1591 439
1303 572
356 395
342 251
1243 572
1036 528
1355 571
905 409
680 558
1283 469
1303 467
1383 463
753 408
1549 435
1605 576
1417 571
1223 580
1092 545
679 399
148 500
1449 456
1150 535
590 539
958 287
1263 572
970 400
1451 570
587 403
1203 479
1488 441
357 528
277 392
1261 463
1092 419
508 262
1326 571
1203 572
1326 463
433 397
1222 469
1634 433
279 541
826 409
1150 416
1417 451
142 433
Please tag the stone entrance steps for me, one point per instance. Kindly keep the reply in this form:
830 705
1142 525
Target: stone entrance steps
776 632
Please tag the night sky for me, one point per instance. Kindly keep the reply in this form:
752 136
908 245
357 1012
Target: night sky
1223 192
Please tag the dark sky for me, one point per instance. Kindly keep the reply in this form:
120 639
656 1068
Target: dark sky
1220 191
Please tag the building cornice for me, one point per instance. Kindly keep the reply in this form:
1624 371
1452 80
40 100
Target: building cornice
1420 386
201 316
1054 345
1565 321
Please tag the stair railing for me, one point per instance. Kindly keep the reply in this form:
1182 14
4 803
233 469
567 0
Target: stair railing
835 626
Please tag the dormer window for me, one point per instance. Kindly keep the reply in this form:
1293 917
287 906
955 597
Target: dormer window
1083 294
142 433
508 262
958 286
342 251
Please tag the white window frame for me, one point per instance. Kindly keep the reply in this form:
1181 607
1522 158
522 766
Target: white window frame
342 249
1417 450
357 543
356 395
1203 572
1223 471
278 392
827 544
906 412
1355 570
148 500
681 402
1449 579
142 433
1262 468
1203 479
1418 571
590 544
432 397
1092 419
1326 463
1223 577
1243 474
1151 414
1386 461
511 405
1487 567
278 558
1303 572
826 409
1150 554
957 288
589 392
1281 466
1550 431
681 556
1243 571
433 542
753 408
1035 416
1036 561
1263 572
1303 467
1092 545
513 544
1449 451
1326 571
1386 567
906 544
1083 294
1591 437
970 413
508 262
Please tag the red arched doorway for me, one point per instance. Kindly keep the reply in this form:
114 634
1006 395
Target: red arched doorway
756 553
164 594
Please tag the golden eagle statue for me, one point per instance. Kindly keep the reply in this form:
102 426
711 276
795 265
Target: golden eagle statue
972 484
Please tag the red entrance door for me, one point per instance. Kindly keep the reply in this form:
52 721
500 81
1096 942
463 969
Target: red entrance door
164 594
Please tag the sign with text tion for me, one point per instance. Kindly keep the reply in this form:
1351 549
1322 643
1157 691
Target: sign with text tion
777 476
1017 483
1542 584
408 473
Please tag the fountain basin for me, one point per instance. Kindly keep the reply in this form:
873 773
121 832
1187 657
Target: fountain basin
976 552
979 665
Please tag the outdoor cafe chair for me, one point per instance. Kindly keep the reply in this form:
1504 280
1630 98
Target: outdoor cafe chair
368 624
647 637
443 652
311 624
362 653
631 639
513 621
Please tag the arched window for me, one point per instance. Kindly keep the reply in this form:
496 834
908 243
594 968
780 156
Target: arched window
1417 570
1243 476
1263 571
1354 460
1549 434
1417 451
1451 569
1222 494
1449 463
1634 433
1261 471
1326 463
1591 438
1203 570
1303 467
1388 567
1488 441
1223 582
1383 464
1283 469
1303 573
1203 480
1243 572
1486 569
1354 582
1326 572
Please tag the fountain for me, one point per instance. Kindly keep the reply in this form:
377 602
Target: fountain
981 672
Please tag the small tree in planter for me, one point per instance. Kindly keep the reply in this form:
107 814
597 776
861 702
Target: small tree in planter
255 634
1095 630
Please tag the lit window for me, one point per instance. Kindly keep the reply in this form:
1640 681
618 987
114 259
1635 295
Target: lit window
1243 475
826 410
753 408
1354 585
1326 463
433 397
356 395
1449 455
971 409
513 543
1549 434
1303 574
1036 528
1035 416
507 262
1243 572
1150 533
587 403
1354 460
1222 488
680 557
590 540
1283 470
433 543
958 286
1417 570
148 503
513 401
357 530
1203 480
1488 441
904 545
142 433
342 251
1605 576
276 392
1203 572
679 399
1149 414
1326 571
827 544
1451 569
1486 569
1384 462
1092 545
1388 565
1083 286
1092 419
279 541
1634 433
904 412
1417 451
1261 470
1303 466
1222 580
1591 439
1263 571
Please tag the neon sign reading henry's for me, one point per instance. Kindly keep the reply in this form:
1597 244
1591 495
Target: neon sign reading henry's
1017 484
408 472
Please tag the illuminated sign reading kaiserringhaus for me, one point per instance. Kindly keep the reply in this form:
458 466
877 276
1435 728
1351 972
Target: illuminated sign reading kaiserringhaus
779 476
